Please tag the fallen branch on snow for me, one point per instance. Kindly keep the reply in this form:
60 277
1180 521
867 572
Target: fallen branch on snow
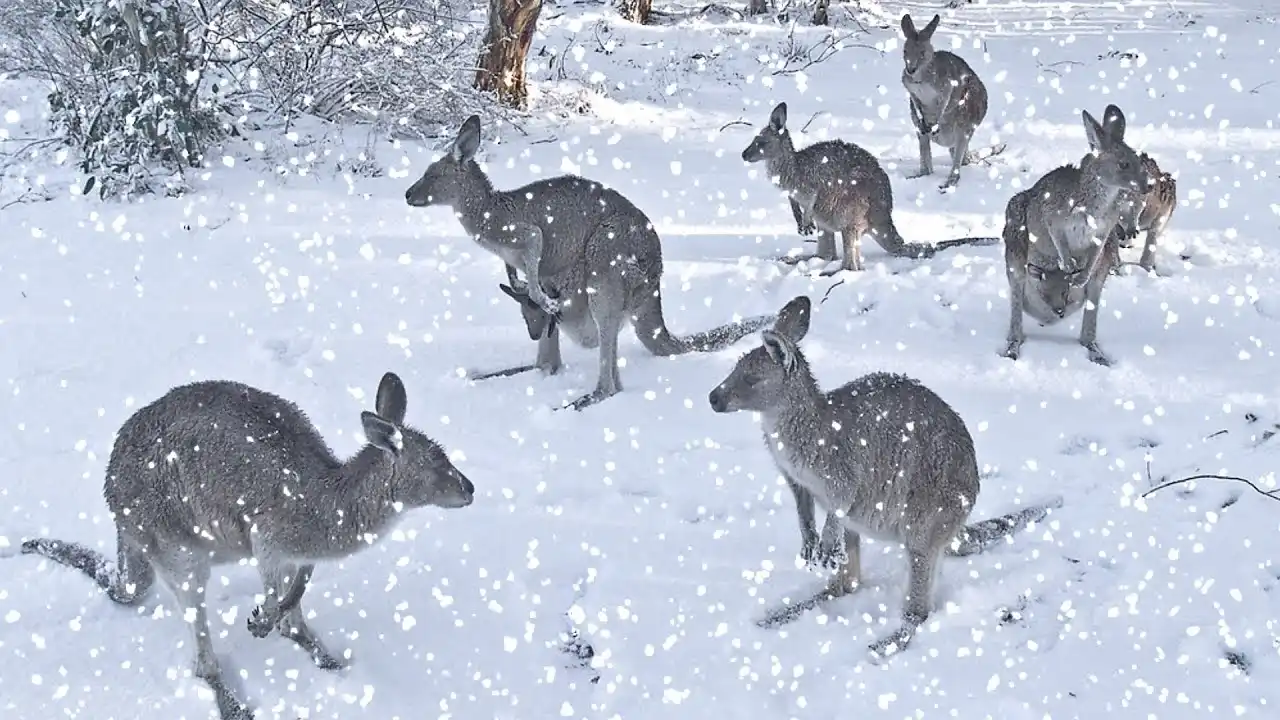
1270 495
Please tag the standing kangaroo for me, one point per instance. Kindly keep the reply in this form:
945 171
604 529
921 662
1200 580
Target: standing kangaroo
883 455
1059 235
216 472
947 99
1141 212
591 258
842 189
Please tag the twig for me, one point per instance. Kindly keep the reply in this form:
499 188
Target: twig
731 124
976 156
834 285
811 119
1269 495
1256 88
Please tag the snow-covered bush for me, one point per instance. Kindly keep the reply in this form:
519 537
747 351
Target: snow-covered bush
142 88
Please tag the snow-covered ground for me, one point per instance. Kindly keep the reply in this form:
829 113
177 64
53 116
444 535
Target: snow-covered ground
655 527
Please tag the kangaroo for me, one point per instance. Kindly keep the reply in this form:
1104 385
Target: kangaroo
883 455
216 472
1059 235
947 99
540 325
1142 212
842 189
575 238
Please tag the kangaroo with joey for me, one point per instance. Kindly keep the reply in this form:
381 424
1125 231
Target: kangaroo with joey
883 455
216 472
591 259
1059 236
841 188
946 98
1147 212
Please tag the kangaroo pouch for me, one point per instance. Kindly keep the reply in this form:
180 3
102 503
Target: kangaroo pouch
1044 299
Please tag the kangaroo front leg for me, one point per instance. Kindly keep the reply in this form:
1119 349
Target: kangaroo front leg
849 577
530 244
804 225
805 506
1017 302
925 137
957 159
831 546
293 625
1089 325
1148 260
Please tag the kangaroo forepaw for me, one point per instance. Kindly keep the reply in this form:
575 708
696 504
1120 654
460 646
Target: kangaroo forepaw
828 559
806 228
261 622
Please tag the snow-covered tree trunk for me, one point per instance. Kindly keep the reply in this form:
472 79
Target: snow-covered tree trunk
757 7
501 66
820 12
637 11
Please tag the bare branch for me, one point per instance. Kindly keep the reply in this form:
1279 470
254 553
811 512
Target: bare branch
1269 494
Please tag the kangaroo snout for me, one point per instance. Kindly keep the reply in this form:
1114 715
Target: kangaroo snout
460 496
719 400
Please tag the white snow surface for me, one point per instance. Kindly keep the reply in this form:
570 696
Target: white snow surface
655 527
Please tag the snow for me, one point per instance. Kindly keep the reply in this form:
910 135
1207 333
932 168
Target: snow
654 527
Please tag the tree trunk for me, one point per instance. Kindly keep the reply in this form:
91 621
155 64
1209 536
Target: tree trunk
501 66
757 7
637 11
820 12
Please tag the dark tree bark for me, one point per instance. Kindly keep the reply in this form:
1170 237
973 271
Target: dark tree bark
820 12
757 7
637 11
501 66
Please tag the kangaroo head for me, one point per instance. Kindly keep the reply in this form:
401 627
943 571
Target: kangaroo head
536 320
443 182
917 50
422 473
760 380
1112 161
772 139
1056 287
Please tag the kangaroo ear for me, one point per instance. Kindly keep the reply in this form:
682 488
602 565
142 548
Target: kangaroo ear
908 26
1093 131
778 118
513 294
382 434
780 348
1114 123
468 140
391 401
793 319
927 33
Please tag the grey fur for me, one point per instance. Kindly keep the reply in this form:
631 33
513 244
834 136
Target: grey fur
946 97
590 257
1147 212
216 472
841 188
1059 237
883 455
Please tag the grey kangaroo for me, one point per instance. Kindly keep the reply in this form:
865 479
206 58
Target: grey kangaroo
1148 212
883 455
216 472
1059 236
590 257
842 189
947 99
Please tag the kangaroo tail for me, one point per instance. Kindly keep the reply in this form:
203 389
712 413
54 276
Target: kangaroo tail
982 536
121 589
886 235
651 328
